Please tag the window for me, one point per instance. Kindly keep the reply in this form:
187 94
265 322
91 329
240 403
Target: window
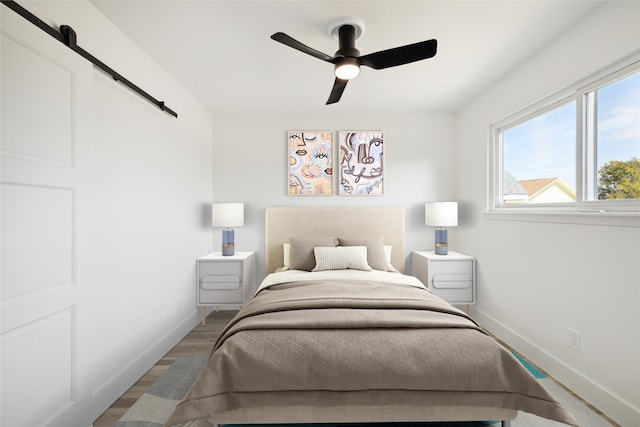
618 138
578 150
540 158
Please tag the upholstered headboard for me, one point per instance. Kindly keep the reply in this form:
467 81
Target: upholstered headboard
282 223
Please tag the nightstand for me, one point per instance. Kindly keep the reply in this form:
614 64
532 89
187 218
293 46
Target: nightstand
451 277
224 281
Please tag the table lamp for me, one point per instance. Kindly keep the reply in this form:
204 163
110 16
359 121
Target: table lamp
227 215
440 215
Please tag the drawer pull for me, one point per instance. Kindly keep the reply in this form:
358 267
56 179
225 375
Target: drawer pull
451 281
220 282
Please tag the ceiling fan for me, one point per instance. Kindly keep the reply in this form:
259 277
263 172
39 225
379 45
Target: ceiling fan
347 59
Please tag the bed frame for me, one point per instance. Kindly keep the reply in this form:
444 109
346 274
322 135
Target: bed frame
282 223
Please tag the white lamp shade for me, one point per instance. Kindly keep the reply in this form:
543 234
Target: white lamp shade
227 214
441 214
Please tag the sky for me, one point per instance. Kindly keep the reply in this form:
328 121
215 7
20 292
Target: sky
619 120
545 146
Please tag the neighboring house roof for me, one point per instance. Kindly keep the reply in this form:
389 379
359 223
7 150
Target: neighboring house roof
548 190
512 190
511 186
533 186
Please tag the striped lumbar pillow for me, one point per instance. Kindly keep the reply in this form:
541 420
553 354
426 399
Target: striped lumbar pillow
341 257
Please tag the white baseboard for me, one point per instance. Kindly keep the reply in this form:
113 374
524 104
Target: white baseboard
613 406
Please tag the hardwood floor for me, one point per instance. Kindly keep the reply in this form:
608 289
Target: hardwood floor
199 341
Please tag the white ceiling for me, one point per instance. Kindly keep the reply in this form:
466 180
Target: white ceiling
222 53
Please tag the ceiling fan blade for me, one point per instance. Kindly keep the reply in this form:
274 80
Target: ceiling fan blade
400 55
291 42
336 91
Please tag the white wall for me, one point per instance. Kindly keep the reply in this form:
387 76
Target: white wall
142 186
250 165
537 279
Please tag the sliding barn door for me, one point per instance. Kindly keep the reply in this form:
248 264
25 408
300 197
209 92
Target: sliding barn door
45 152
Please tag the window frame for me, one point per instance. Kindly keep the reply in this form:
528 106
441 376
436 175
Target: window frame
586 204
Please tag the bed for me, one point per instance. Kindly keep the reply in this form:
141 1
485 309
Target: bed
328 338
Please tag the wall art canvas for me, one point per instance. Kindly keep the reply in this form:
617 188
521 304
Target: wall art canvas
361 163
310 163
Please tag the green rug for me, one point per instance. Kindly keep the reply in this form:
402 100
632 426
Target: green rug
534 371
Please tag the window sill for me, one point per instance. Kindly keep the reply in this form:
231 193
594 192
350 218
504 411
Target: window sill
587 217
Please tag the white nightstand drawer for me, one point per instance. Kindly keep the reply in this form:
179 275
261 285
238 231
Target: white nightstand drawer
459 295
452 281
447 266
221 292
221 268
220 282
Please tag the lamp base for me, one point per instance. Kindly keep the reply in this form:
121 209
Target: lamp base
442 245
228 244
442 250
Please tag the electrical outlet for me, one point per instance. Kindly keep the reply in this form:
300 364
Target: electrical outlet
574 340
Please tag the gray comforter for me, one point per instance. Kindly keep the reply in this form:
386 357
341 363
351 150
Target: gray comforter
327 343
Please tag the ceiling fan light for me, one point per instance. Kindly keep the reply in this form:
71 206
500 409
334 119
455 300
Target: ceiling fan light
347 70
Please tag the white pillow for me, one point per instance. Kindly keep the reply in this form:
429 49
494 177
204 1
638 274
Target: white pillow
387 255
341 257
286 247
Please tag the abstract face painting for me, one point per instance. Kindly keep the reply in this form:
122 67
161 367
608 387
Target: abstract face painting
310 163
361 163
